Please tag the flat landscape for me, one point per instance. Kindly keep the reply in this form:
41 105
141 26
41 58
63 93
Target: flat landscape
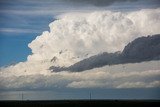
82 103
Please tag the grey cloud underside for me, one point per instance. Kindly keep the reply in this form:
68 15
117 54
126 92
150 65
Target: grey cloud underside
98 2
139 50
110 2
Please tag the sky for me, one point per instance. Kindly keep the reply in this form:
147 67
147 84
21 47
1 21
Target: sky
38 34
29 19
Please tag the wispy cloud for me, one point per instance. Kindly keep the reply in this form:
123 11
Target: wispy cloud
18 30
35 12
34 7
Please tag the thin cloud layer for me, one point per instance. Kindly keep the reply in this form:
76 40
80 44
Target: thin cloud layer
101 3
143 75
98 2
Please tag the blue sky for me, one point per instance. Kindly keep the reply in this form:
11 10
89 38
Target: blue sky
21 21
17 30
15 34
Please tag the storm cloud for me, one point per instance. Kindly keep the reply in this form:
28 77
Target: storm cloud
75 37
139 50
98 2
109 2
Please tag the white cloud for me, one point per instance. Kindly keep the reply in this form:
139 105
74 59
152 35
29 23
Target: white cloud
105 77
72 37
139 84
79 34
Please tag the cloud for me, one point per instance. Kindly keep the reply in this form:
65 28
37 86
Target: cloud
143 49
102 3
77 36
54 7
139 84
17 30
104 77
98 2
139 50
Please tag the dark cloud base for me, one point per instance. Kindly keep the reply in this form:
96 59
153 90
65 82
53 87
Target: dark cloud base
140 50
98 2
101 3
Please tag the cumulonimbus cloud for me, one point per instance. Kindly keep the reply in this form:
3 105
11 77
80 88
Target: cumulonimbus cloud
139 50
74 37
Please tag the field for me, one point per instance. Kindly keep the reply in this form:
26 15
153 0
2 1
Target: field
82 103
